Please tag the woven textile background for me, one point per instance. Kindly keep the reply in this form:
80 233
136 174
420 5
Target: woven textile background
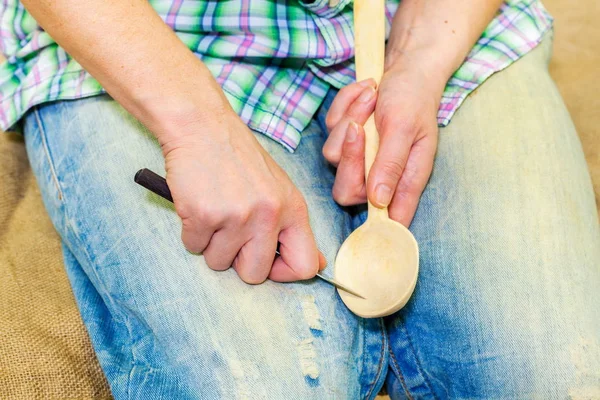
45 352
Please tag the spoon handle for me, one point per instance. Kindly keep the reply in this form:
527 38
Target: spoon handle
369 39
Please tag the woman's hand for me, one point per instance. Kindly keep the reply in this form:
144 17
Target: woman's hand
405 115
428 41
236 203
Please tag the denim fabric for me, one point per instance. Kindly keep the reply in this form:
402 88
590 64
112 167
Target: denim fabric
506 306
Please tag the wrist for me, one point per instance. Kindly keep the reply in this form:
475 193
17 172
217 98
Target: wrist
422 53
178 114
432 41
419 67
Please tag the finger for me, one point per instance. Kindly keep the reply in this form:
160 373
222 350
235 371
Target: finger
299 257
332 149
194 236
389 164
322 262
223 248
349 187
358 112
414 179
346 96
254 261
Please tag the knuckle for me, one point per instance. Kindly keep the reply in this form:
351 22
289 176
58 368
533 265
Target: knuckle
252 276
404 188
187 224
307 273
352 155
360 111
240 215
409 178
402 196
330 154
329 121
341 196
253 279
299 206
183 209
191 247
214 261
346 90
390 122
190 243
210 259
197 216
207 219
393 168
409 188
270 209
385 121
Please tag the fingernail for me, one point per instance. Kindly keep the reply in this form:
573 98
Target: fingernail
352 132
368 83
383 194
367 95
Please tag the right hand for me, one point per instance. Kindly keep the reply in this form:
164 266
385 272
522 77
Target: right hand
236 203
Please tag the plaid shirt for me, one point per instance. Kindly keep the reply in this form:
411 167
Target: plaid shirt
275 60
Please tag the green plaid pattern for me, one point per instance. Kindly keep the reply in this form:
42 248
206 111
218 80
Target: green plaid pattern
275 60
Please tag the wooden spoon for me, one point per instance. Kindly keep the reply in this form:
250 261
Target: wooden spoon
381 258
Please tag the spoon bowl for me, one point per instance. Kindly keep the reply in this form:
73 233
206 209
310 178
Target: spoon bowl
381 258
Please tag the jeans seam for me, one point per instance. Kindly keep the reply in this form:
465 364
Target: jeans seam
87 256
396 368
418 362
69 227
381 355
42 129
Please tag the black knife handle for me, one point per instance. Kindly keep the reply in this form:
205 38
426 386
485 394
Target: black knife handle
154 183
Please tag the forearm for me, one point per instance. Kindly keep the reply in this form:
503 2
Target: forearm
136 57
436 35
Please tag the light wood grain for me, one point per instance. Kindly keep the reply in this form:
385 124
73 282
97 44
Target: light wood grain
381 258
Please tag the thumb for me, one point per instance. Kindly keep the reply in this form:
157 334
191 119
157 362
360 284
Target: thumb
388 167
299 257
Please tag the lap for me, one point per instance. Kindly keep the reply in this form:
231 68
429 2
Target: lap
507 300
506 303
172 326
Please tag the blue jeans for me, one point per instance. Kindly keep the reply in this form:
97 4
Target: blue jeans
506 306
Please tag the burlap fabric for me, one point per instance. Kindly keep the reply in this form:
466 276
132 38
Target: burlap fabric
45 352
44 349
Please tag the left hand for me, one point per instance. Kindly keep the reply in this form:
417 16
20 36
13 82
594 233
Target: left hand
405 115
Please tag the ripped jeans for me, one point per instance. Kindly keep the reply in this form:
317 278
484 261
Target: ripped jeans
507 303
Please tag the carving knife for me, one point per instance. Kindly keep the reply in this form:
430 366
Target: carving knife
158 185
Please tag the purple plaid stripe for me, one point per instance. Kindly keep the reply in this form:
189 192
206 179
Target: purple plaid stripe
275 60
